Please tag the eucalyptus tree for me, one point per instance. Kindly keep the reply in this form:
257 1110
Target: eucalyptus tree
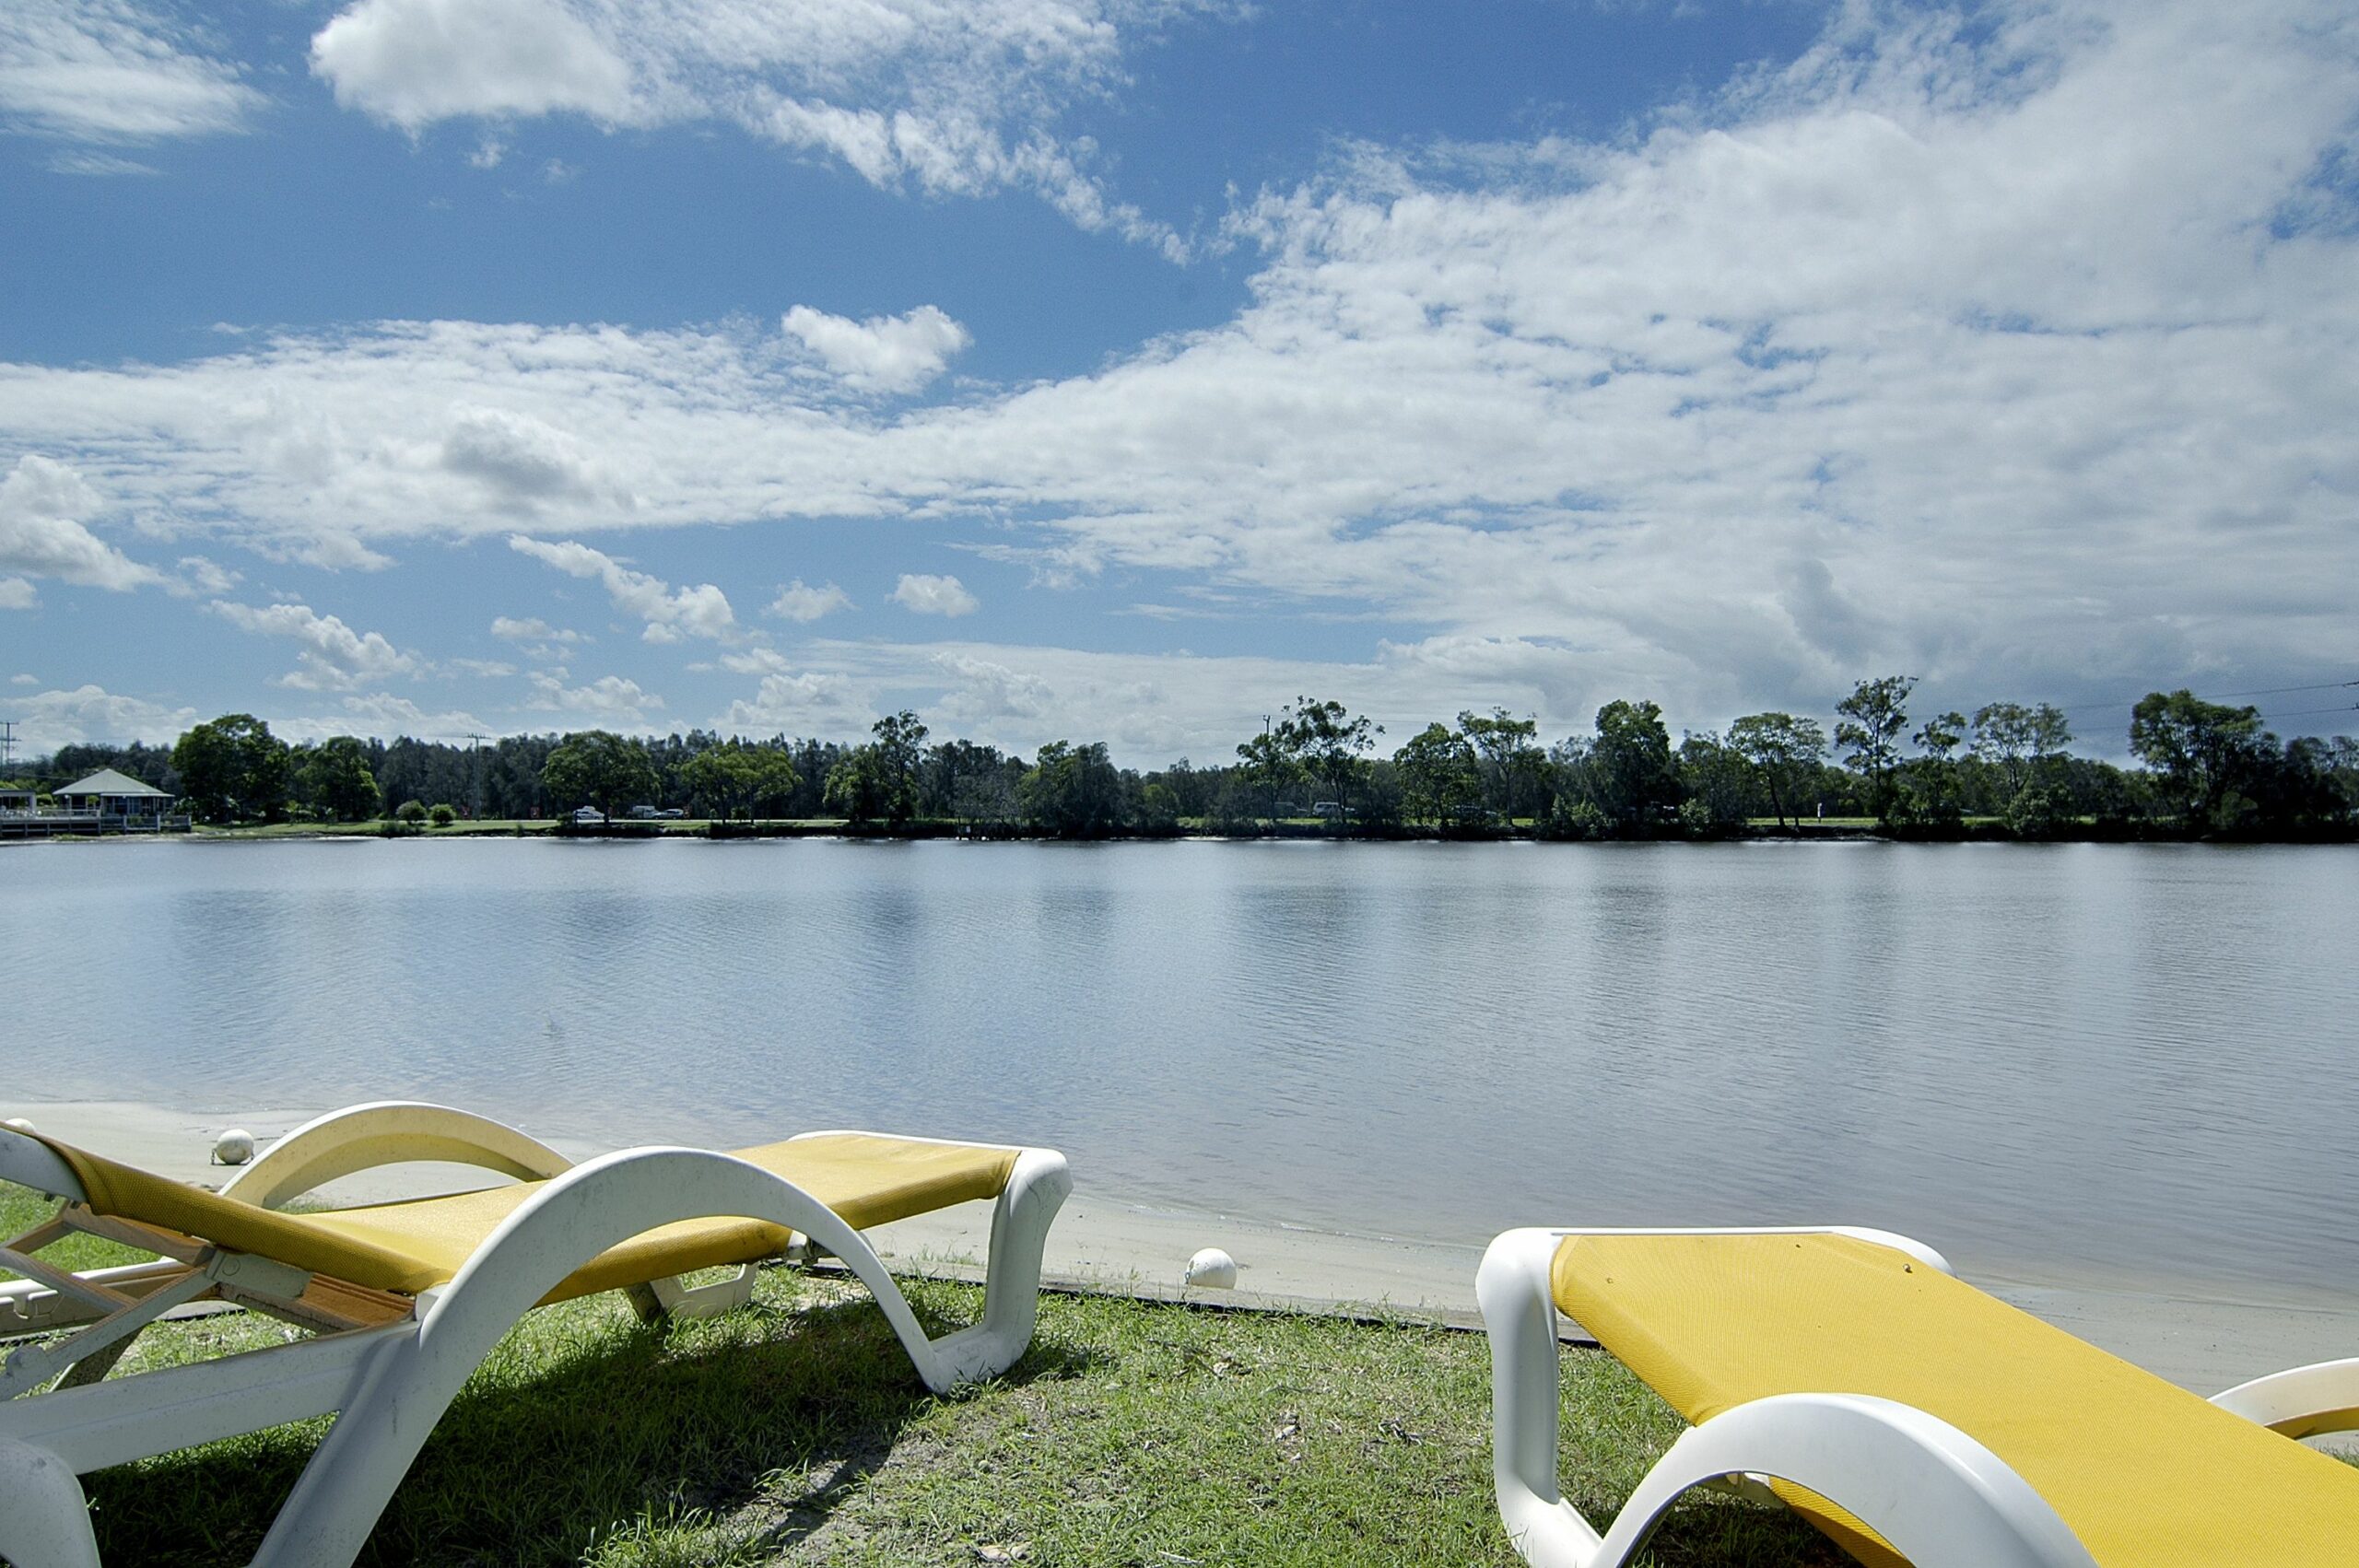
1327 741
1073 792
1438 772
1873 720
1268 764
2201 753
1784 752
1504 746
1631 773
334 779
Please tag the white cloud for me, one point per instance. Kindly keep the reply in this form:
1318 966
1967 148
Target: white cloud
702 611
532 629
925 594
40 502
24 680
610 698
886 354
16 594
952 97
378 715
201 575
411 63
333 657
112 71
483 669
90 713
797 602
521 460
807 704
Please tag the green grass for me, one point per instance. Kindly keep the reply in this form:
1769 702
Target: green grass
794 1432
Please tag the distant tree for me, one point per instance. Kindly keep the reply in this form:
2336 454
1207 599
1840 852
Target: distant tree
1506 755
334 779
601 769
442 813
410 812
1073 791
2202 754
1632 777
1784 752
2015 739
1929 785
1438 774
899 747
233 769
857 789
947 770
721 777
1327 743
1267 763
1716 784
1873 720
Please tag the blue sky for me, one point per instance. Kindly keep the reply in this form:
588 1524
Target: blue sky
1123 368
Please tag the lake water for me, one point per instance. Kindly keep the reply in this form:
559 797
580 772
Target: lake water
2132 1060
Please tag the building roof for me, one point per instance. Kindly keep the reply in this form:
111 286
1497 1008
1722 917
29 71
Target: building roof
107 781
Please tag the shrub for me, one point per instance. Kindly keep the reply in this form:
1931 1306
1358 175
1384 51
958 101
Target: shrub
443 816
411 812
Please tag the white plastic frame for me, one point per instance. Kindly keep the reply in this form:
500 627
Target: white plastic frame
392 1382
1939 1495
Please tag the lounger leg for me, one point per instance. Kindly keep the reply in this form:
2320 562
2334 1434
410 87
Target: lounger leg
45 1518
1026 1206
405 1384
1512 1289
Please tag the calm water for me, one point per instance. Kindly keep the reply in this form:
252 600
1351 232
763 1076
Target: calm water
2134 1059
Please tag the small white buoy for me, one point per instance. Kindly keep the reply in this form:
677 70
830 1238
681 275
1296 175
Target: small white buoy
20 1123
1214 1267
234 1147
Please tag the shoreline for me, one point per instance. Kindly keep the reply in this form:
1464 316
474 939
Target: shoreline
2202 1336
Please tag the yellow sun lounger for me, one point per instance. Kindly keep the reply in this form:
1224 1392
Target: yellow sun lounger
404 1300
1910 1417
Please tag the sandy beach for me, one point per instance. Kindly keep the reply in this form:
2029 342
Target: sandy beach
2204 1339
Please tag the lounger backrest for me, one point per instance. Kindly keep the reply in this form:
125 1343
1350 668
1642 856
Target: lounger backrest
868 1178
126 1192
2145 1473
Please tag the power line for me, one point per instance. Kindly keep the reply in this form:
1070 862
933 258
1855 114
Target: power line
2220 696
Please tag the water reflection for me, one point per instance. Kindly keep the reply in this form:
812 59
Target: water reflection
2138 1057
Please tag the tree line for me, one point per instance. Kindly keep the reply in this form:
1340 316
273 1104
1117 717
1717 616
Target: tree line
2207 769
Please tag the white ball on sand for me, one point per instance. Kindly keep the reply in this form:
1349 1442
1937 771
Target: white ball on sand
1214 1267
19 1123
234 1147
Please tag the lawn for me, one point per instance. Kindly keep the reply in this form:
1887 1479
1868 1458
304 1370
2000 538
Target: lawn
794 1432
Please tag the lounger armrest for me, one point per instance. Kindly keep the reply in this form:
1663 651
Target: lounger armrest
388 1133
29 1162
2303 1402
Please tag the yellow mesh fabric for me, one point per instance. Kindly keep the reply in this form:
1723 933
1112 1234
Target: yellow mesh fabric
866 1178
2145 1473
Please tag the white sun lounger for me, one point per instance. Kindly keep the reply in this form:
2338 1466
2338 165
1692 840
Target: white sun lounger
1911 1418
405 1300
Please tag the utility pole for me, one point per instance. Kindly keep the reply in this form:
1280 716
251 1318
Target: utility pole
475 806
8 744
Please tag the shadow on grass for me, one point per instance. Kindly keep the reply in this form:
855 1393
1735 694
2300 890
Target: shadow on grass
584 1425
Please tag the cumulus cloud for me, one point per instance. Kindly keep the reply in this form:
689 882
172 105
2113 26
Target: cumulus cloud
521 460
378 715
805 704
610 698
333 656
950 97
531 629
41 502
91 713
113 71
925 594
16 594
702 611
886 354
411 63
797 602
